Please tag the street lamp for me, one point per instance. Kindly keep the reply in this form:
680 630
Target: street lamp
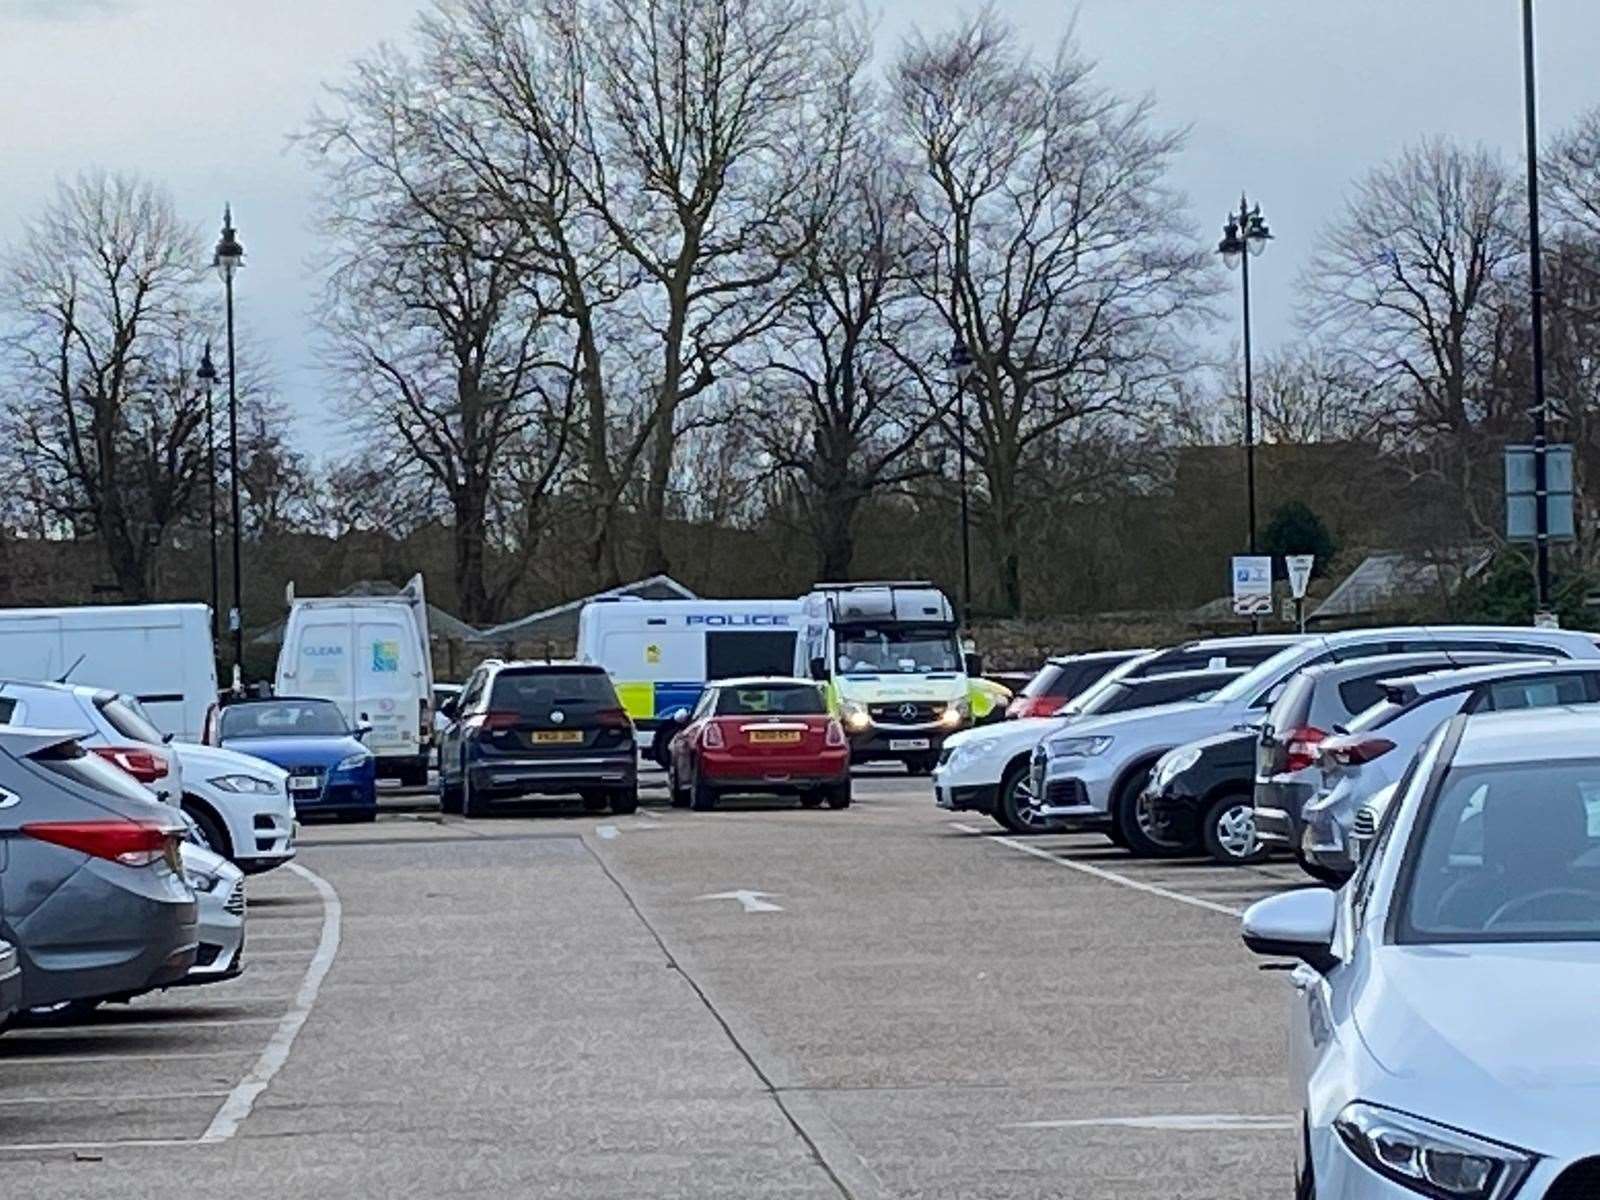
960 368
207 375
228 259
1243 237
1541 482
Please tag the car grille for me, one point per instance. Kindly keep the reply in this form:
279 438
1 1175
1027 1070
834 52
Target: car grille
235 903
207 954
1365 823
1066 792
905 714
1580 1181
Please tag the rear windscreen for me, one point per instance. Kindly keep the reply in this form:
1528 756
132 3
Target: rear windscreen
1052 680
127 720
794 700
730 655
529 692
1293 707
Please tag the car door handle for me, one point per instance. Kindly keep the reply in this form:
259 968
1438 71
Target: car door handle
1303 977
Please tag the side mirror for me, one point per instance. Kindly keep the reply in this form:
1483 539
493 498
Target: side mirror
449 708
1296 924
363 729
680 716
819 668
974 663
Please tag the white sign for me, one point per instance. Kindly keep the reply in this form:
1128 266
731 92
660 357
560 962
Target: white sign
1546 620
1252 585
1299 573
752 901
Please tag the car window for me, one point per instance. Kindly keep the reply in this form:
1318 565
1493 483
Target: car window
1359 694
8 706
1292 708
283 718
767 700
1534 691
530 692
126 718
1052 679
473 691
1534 650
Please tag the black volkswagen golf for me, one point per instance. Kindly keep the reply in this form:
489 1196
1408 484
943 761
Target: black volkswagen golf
537 729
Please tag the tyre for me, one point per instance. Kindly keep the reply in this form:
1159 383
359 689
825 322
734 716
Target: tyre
1012 809
1228 830
1133 821
449 797
701 796
213 834
594 802
813 798
625 800
1113 834
677 795
472 805
922 764
838 794
414 775
1331 876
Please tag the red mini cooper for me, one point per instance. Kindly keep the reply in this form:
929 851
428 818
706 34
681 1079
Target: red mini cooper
767 736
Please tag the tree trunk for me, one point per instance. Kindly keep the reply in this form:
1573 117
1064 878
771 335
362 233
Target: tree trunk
472 590
832 512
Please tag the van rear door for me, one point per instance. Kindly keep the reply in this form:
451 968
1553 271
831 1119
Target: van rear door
388 682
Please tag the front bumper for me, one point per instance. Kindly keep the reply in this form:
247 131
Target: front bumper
337 792
1076 790
1279 804
220 930
1174 812
889 743
509 777
1325 836
982 797
267 837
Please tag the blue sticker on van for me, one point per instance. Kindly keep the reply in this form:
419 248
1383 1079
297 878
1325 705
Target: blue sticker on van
385 656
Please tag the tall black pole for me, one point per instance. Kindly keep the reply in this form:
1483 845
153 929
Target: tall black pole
1536 297
966 537
1249 394
237 617
211 508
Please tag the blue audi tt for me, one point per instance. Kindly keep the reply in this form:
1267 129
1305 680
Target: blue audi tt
330 770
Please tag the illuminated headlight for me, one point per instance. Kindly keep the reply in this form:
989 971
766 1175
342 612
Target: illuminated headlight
1076 747
1175 763
854 715
245 784
1430 1159
353 763
954 715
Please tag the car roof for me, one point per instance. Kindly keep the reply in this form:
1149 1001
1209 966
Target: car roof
1340 637
1199 673
1245 639
1530 735
279 700
543 664
1062 660
1435 683
761 681
1401 664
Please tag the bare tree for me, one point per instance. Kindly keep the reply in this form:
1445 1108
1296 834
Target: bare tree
1053 248
106 420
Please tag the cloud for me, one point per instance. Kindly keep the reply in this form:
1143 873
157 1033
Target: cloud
59 10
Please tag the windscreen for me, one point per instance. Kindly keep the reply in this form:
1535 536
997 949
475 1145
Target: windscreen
793 700
896 650
1257 677
283 718
537 692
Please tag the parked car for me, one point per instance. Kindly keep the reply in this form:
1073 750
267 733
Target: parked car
986 770
1061 678
1199 796
538 728
330 770
105 723
1381 741
1441 1032
10 980
1317 702
93 897
1093 773
218 888
770 735
241 804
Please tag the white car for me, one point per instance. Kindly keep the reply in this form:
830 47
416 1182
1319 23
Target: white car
240 803
1093 773
986 769
1442 1020
108 724
218 888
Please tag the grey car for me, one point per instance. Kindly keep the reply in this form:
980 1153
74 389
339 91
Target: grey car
92 892
10 980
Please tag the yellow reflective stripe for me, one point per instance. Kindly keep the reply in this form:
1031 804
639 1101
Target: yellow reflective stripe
639 699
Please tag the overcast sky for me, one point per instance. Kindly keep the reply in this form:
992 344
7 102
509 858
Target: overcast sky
1291 99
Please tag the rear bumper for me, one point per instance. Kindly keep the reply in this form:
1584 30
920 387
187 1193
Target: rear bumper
809 770
554 776
1279 804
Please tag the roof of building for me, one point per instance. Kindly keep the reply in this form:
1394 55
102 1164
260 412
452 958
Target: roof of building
1391 577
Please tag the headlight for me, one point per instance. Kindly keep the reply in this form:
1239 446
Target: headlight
352 763
1430 1159
854 714
249 784
1176 763
1076 747
954 714
967 751
198 880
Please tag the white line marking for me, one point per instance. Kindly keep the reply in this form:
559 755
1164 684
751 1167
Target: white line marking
606 831
281 937
236 1108
139 1097
23 1036
72 1060
751 901
39 1147
1178 1122
1102 873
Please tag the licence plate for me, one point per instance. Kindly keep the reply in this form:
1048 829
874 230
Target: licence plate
304 783
557 737
908 743
774 736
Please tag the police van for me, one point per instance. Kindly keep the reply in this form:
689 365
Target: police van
660 654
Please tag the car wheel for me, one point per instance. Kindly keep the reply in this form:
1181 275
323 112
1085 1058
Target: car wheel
839 794
471 804
363 816
701 797
1113 834
1013 810
922 764
677 796
1136 823
625 801
449 797
813 798
1229 831
212 834
594 802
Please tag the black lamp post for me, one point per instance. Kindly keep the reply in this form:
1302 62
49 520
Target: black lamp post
229 257
1244 236
207 375
1541 485
960 368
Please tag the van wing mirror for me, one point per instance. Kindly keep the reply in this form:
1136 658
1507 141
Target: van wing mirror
449 707
819 668
974 663
363 728
1296 924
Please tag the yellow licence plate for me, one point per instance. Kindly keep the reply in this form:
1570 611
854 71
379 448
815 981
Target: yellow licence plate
557 737
774 736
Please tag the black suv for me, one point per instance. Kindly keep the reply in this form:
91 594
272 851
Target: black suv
537 729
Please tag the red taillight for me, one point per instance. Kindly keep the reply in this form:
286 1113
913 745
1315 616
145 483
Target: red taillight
835 735
1354 750
711 738
132 843
495 722
614 718
1300 747
145 765
1034 706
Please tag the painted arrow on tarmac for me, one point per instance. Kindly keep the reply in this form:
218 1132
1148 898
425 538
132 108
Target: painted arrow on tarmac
752 901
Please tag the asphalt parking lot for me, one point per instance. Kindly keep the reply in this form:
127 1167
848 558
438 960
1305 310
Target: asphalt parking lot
759 1001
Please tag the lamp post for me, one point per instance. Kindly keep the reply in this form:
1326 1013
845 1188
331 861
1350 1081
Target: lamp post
960 368
207 375
1541 486
229 257
1243 236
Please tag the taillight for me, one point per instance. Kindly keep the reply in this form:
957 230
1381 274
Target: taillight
1034 706
142 763
1300 747
132 843
835 736
1354 750
614 718
494 722
711 737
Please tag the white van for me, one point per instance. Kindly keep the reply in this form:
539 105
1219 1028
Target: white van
370 655
161 653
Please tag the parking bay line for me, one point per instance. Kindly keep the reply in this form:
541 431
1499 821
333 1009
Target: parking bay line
22 1037
104 1098
1101 872
72 1060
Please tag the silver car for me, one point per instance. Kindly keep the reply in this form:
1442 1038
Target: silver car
10 982
1442 1026
218 887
